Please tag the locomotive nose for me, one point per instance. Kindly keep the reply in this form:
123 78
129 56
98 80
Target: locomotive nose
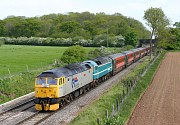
46 92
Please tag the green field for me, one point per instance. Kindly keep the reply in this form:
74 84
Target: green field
16 58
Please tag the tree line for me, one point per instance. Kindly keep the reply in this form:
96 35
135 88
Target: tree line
101 27
88 29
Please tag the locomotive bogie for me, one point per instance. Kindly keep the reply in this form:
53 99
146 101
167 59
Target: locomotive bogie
47 107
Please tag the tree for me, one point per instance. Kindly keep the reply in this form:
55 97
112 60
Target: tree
156 20
131 39
2 28
177 24
70 26
74 54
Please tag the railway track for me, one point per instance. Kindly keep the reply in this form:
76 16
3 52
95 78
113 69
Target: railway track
16 109
40 116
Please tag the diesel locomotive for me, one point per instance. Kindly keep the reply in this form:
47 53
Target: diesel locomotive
56 87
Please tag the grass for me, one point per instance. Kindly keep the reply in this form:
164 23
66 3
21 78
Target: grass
18 58
97 109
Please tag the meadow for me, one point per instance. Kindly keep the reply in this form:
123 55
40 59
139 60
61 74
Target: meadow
19 58
15 58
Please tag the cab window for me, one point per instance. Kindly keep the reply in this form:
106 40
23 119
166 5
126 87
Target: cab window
41 81
61 81
51 81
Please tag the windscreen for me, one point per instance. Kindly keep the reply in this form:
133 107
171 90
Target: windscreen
52 81
41 81
49 81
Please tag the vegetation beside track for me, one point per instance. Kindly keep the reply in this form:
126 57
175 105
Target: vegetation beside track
97 109
126 110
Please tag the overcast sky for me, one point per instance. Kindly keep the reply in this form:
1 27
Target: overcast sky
129 8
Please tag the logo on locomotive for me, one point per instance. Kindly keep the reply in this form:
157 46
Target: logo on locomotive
75 82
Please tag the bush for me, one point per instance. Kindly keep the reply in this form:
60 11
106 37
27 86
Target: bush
102 51
74 54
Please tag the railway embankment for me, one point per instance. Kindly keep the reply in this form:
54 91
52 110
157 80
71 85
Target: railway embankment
102 111
15 102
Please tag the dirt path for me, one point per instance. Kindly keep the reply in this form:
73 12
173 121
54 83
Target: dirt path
160 105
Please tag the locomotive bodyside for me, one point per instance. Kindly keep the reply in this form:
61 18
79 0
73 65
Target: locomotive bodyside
102 66
69 80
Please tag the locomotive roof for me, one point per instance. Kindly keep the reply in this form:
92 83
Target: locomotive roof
65 71
101 60
113 56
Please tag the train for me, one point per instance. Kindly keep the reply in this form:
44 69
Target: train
56 87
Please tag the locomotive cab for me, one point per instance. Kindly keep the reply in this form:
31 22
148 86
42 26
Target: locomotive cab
47 92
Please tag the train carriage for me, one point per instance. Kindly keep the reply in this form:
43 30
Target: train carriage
142 51
129 57
118 61
137 54
147 50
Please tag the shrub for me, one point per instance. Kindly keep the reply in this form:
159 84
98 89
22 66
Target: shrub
74 54
102 51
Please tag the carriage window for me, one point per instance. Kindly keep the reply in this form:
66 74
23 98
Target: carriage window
41 81
52 81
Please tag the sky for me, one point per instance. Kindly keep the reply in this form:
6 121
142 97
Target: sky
130 8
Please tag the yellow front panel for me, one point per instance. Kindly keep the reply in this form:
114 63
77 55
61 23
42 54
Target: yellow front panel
46 92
